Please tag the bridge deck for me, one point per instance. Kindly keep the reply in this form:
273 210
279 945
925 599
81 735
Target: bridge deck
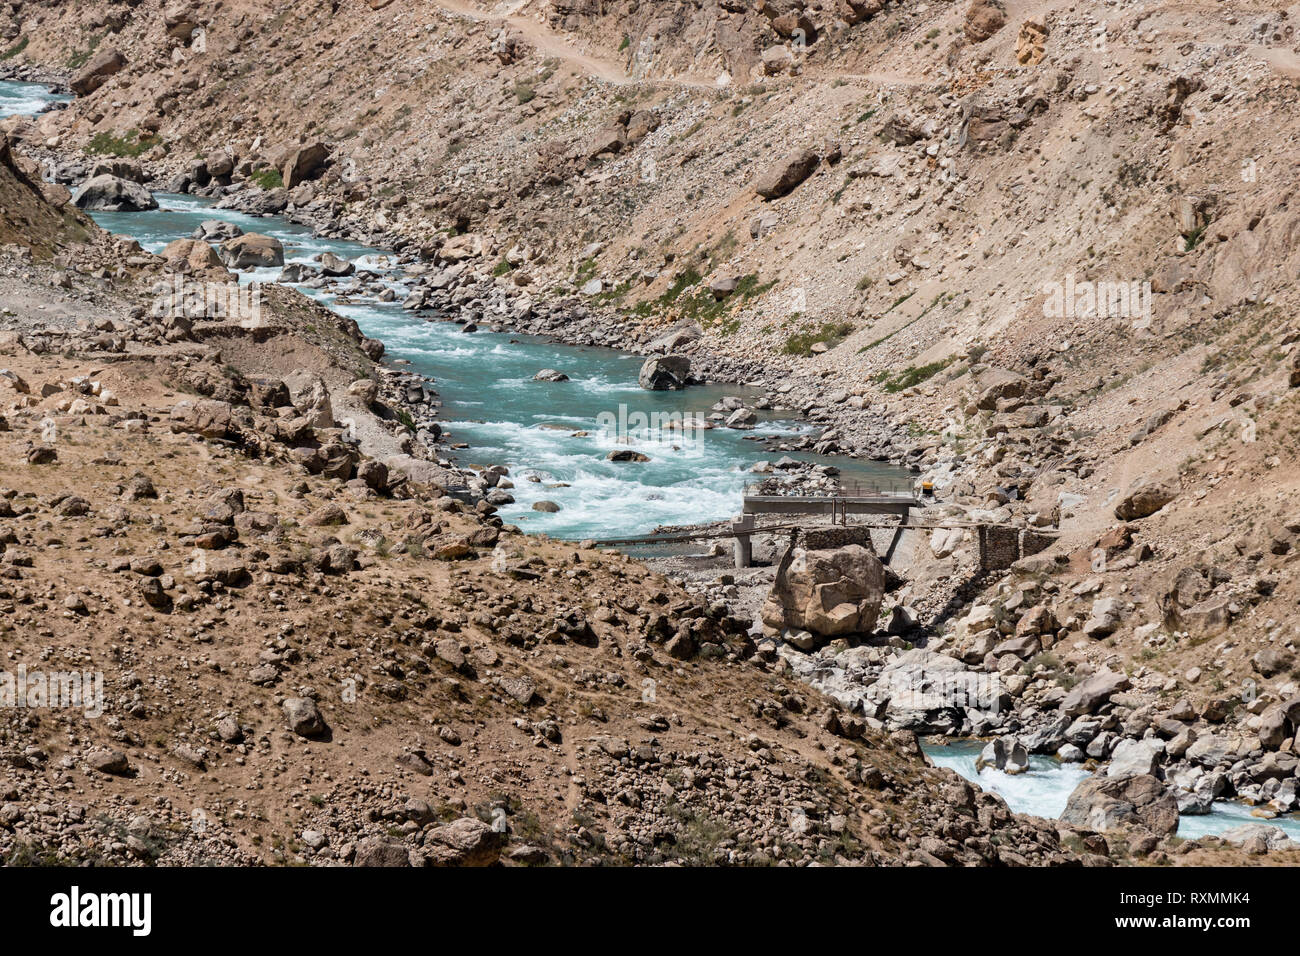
830 504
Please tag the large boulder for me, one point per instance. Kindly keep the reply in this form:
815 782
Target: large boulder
128 169
192 255
303 163
206 417
220 164
679 336
1004 753
311 396
1105 618
662 372
304 717
381 852
996 385
1110 803
96 73
463 842
983 19
777 59
1145 498
109 193
827 593
459 248
787 174
1133 758
252 251
336 266
1088 695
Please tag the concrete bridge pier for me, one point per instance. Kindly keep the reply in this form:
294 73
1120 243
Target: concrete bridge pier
742 526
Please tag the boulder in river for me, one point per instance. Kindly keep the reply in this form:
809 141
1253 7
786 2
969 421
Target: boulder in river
550 375
664 372
252 250
550 507
109 193
128 169
1004 753
336 266
1109 803
216 230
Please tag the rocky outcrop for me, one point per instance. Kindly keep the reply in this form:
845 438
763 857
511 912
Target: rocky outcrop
1031 43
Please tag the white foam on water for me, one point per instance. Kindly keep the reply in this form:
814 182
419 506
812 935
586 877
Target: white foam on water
594 504
1041 791
1227 814
26 99
1046 788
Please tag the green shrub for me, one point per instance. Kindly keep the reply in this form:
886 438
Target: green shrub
832 333
267 178
912 375
130 145
14 50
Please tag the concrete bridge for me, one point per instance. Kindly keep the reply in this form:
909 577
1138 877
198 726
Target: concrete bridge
999 545
838 507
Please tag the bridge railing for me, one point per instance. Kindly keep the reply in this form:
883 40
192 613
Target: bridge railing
900 488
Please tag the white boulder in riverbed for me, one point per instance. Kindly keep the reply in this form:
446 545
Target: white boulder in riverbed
252 250
108 193
1006 754
335 266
